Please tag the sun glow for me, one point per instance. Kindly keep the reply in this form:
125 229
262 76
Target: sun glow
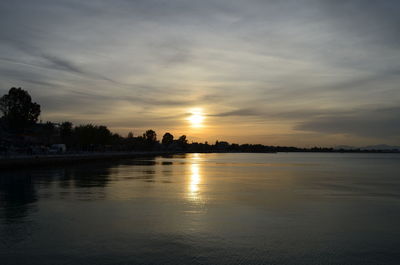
196 118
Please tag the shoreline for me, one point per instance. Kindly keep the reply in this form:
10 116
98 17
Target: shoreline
30 161
22 162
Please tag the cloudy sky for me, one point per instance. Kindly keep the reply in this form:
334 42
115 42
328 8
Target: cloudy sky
295 72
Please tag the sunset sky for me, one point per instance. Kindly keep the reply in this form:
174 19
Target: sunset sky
300 73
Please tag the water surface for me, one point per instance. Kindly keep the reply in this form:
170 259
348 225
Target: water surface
295 208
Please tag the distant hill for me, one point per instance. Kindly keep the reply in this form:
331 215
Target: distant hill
380 147
383 147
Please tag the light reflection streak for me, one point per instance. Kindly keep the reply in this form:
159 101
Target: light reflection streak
194 180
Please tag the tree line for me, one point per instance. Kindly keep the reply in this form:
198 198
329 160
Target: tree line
19 128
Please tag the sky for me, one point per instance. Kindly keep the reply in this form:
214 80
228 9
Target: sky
299 72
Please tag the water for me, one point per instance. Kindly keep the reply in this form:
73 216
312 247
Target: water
205 209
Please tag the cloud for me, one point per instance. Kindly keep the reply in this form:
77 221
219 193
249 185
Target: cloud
238 112
62 64
310 65
376 21
376 123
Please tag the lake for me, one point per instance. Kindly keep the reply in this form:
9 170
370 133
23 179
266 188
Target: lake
285 208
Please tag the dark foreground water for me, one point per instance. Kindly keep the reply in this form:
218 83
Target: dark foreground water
205 209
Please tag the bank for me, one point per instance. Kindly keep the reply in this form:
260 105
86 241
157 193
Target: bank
21 162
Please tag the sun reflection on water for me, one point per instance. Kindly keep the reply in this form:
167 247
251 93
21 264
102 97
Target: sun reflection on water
195 156
194 180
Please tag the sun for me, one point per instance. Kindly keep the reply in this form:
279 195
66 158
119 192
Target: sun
196 118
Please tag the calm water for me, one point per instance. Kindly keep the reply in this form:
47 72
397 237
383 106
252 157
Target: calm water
205 209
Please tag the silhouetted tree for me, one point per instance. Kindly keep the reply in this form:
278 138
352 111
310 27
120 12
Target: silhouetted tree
130 135
87 135
167 139
18 109
103 135
66 132
116 141
149 139
49 131
150 136
182 140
